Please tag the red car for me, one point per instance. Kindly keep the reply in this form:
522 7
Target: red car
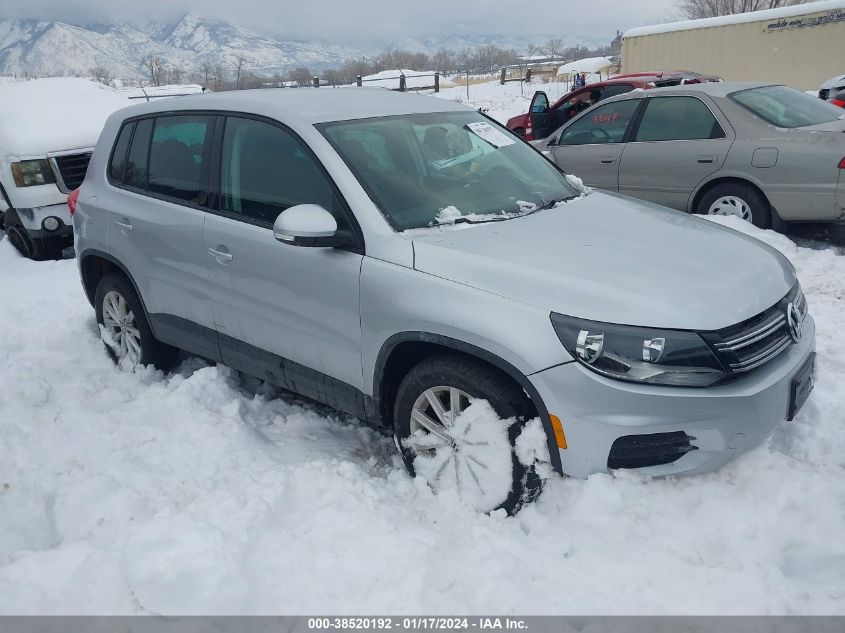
839 100
542 119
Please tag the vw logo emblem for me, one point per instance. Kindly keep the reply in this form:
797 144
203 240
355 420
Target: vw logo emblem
795 320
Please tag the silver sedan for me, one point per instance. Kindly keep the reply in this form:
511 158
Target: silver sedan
761 152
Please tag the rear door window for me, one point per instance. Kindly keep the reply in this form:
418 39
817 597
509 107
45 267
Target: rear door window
136 162
177 164
616 89
678 119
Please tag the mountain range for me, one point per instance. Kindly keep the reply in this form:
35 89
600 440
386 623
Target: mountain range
50 48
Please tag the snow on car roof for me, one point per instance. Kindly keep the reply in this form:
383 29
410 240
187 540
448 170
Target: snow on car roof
51 115
739 18
586 65
307 105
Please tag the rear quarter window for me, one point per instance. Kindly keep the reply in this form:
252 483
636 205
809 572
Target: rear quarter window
117 164
135 174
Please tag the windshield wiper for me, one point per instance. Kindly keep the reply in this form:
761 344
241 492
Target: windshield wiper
465 220
554 202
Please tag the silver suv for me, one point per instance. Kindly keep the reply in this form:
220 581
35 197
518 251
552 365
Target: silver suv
404 258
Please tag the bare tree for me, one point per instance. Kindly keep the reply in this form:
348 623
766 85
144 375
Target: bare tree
553 48
156 69
695 9
174 75
102 74
301 76
443 60
239 66
218 77
205 72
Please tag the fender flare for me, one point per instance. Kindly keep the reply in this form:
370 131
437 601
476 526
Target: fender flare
93 252
471 350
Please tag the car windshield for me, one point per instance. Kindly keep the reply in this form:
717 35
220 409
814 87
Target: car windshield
441 168
786 107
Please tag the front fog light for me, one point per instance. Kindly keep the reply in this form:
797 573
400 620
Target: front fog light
51 223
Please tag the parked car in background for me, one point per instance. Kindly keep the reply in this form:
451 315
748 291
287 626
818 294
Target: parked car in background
48 128
543 118
838 99
314 244
832 87
747 149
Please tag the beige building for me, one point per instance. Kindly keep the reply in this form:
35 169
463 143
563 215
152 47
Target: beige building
801 46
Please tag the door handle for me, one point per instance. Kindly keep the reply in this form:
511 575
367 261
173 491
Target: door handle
607 160
221 254
124 225
707 159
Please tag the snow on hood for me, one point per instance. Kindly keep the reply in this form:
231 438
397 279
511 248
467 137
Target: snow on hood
610 258
50 115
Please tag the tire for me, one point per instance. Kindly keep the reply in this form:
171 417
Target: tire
133 342
737 199
20 241
478 381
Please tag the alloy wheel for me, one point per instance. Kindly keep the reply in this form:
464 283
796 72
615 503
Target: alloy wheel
120 322
471 456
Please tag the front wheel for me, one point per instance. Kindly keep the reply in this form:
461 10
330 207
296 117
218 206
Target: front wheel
456 423
737 199
125 330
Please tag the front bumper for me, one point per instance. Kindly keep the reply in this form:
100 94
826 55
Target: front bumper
44 243
725 421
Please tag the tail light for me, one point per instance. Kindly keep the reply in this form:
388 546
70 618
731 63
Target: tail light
71 201
842 163
838 102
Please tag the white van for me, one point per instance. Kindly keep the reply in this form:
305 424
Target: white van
48 128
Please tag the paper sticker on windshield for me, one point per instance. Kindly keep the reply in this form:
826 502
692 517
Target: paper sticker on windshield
495 137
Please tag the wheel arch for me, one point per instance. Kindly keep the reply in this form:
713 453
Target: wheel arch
723 179
404 350
94 265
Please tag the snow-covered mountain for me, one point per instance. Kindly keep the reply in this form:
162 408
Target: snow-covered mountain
57 48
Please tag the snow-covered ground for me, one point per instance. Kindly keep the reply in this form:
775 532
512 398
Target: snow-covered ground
502 102
204 492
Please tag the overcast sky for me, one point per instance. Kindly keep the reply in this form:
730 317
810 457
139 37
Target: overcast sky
351 20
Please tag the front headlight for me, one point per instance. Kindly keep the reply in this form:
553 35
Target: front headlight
28 173
638 354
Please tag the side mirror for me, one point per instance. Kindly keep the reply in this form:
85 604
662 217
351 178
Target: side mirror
309 225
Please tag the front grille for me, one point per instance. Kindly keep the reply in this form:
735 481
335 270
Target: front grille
758 340
71 168
653 449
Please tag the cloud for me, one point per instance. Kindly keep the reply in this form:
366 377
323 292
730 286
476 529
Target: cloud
359 20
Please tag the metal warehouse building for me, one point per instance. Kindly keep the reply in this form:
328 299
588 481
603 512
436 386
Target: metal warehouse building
801 45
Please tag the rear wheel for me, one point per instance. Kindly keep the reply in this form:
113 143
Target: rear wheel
737 199
126 332
455 448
